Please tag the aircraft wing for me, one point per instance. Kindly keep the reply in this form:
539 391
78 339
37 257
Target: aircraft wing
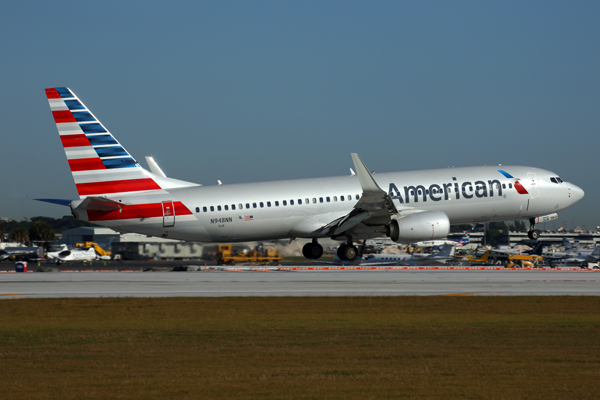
374 207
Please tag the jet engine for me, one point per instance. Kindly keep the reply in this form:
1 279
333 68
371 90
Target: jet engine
426 225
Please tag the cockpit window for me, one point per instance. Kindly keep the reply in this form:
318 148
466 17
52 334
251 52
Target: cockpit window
556 179
559 180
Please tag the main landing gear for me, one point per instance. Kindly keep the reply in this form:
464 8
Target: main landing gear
347 251
312 250
533 233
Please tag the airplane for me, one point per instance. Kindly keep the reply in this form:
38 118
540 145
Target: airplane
75 255
581 258
21 253
569 252
463 241
440 257
115 191
482 259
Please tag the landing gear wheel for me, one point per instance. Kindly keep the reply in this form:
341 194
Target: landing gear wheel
533 234
312 251
347 252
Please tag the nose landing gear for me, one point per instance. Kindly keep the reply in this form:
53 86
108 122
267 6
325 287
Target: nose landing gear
533 233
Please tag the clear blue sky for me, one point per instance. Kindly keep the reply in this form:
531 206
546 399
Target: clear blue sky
262 90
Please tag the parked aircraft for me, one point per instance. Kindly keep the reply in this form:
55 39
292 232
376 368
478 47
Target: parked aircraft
441 257
463 241
581 258
115 191
482 259
21 253
74 255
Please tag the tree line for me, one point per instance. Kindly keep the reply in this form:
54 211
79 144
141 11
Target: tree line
37 229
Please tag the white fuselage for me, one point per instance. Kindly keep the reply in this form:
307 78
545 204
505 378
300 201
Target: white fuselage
298 208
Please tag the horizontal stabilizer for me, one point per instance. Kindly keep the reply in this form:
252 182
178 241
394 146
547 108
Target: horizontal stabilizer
97 204
61 202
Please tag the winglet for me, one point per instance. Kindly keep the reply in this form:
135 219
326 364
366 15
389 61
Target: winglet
365 178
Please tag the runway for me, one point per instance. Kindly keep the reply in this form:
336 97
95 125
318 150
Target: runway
301 283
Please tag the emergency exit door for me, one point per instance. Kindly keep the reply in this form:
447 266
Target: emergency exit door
168 214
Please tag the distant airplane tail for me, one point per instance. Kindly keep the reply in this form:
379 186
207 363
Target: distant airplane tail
537 250
446 251
99 163
466 238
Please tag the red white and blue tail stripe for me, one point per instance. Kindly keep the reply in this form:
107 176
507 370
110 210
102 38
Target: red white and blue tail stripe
98 162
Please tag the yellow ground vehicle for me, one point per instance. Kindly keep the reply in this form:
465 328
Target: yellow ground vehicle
226 256
524 261
99 250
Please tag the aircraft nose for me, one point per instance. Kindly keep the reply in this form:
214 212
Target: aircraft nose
577 193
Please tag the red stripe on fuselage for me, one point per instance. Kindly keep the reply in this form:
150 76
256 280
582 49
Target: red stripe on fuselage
52 94
63 116
131 185
75 140
86 164
137 211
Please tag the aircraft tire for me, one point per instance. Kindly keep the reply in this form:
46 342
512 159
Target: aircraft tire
312 251
534 234
341 252
348 252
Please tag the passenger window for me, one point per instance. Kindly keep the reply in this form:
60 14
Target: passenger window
233 206
262 205
253 205
341 198
299 201
241 206
218 208
320 199
314 200
357 197
328 199
276 203
291 202
284 202
268 204
247 205
226 207
204 209
504 186
212 208
197 209
307 202
334 198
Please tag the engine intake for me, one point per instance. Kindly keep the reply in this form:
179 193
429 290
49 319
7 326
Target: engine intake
426 225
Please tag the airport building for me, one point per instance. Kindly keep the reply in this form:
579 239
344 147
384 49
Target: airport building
133 246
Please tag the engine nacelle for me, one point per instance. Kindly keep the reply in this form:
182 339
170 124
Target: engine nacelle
426 225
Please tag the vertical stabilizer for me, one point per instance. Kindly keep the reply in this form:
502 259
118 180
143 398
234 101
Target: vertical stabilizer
98 162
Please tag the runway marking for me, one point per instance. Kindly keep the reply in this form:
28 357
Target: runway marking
14 294
462 294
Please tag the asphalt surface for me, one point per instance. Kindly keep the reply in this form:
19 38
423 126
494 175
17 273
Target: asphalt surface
298 281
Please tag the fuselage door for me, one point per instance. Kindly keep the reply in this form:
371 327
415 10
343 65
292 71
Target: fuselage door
168 214
534 189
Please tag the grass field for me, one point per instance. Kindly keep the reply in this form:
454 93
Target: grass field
301 348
